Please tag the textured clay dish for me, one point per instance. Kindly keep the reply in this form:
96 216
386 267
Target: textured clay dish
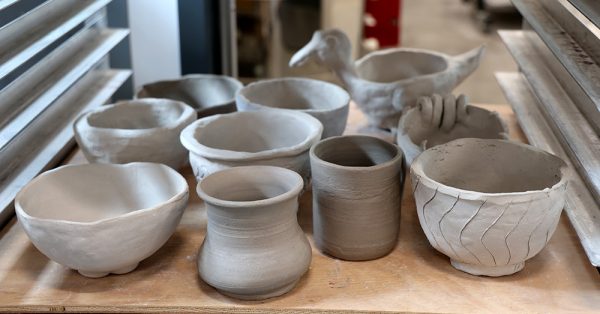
100 219
489 205
208 94
139 130
436 120
327 102
254 248
274 137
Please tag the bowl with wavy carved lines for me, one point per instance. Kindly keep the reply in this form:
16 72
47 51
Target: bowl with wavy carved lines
488 204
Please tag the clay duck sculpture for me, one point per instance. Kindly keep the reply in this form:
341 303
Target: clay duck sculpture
385 82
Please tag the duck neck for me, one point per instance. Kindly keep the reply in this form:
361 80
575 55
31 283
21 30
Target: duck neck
345 72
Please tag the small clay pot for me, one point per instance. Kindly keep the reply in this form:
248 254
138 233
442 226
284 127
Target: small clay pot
489 205
275 138
356 196
327 102
254 248
208 94
145 130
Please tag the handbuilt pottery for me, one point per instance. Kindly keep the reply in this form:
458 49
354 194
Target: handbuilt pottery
356 196
208 94
275 138
488 204
382 83
100 218
327 102
254 248
138 130
438 120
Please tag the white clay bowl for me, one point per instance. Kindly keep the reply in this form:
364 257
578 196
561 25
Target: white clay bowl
327 102
489 205
273 138
144 130
99 218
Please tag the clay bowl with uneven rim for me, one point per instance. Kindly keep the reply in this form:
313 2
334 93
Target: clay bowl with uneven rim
271 137
144 130
101 218
489 205
208 94
325 101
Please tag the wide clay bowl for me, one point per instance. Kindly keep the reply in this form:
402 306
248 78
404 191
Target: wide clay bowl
208 94
327 102
99 218
144 130
273 138
489 205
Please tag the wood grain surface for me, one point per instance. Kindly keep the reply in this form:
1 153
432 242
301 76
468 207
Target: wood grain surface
413 278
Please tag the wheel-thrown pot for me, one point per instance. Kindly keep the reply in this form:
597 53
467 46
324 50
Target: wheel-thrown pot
144 130
100 218
254 248
327 102
438 120
274 137
208 94
488 204
357 183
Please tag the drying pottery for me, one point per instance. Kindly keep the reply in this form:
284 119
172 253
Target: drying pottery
100 218
382 83
208 94
137 130
254 248
327 102
356 196
438 120
275 138
488 204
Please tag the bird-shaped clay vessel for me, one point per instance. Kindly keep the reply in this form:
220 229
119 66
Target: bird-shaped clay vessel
384 82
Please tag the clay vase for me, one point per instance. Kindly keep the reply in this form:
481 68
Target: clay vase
327 102
438 120
275 138
254 248
356 196
102 218
208 94
145 130
489 205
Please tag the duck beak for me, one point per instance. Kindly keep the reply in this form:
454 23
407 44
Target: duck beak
303 55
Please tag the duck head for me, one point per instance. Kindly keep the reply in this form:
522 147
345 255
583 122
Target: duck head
328 47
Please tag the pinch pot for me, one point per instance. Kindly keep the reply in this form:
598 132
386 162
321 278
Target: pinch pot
102 218
488 204
327 102
144 130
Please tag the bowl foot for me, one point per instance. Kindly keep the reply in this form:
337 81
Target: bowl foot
125 270
98 274
270 294
492 271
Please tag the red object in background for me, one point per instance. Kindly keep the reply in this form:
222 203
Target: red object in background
386 25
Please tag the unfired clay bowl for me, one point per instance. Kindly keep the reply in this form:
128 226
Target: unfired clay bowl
489 205
99 218
325 101
208 94
138 130
272 137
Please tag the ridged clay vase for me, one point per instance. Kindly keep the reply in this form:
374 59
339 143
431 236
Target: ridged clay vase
327 102
274 138
384 82
254 248
488 204
102 218
356 191
438 120
143 130
208 94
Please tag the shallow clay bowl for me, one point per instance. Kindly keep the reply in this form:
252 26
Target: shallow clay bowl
208 94
99 218
327 102
489 205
